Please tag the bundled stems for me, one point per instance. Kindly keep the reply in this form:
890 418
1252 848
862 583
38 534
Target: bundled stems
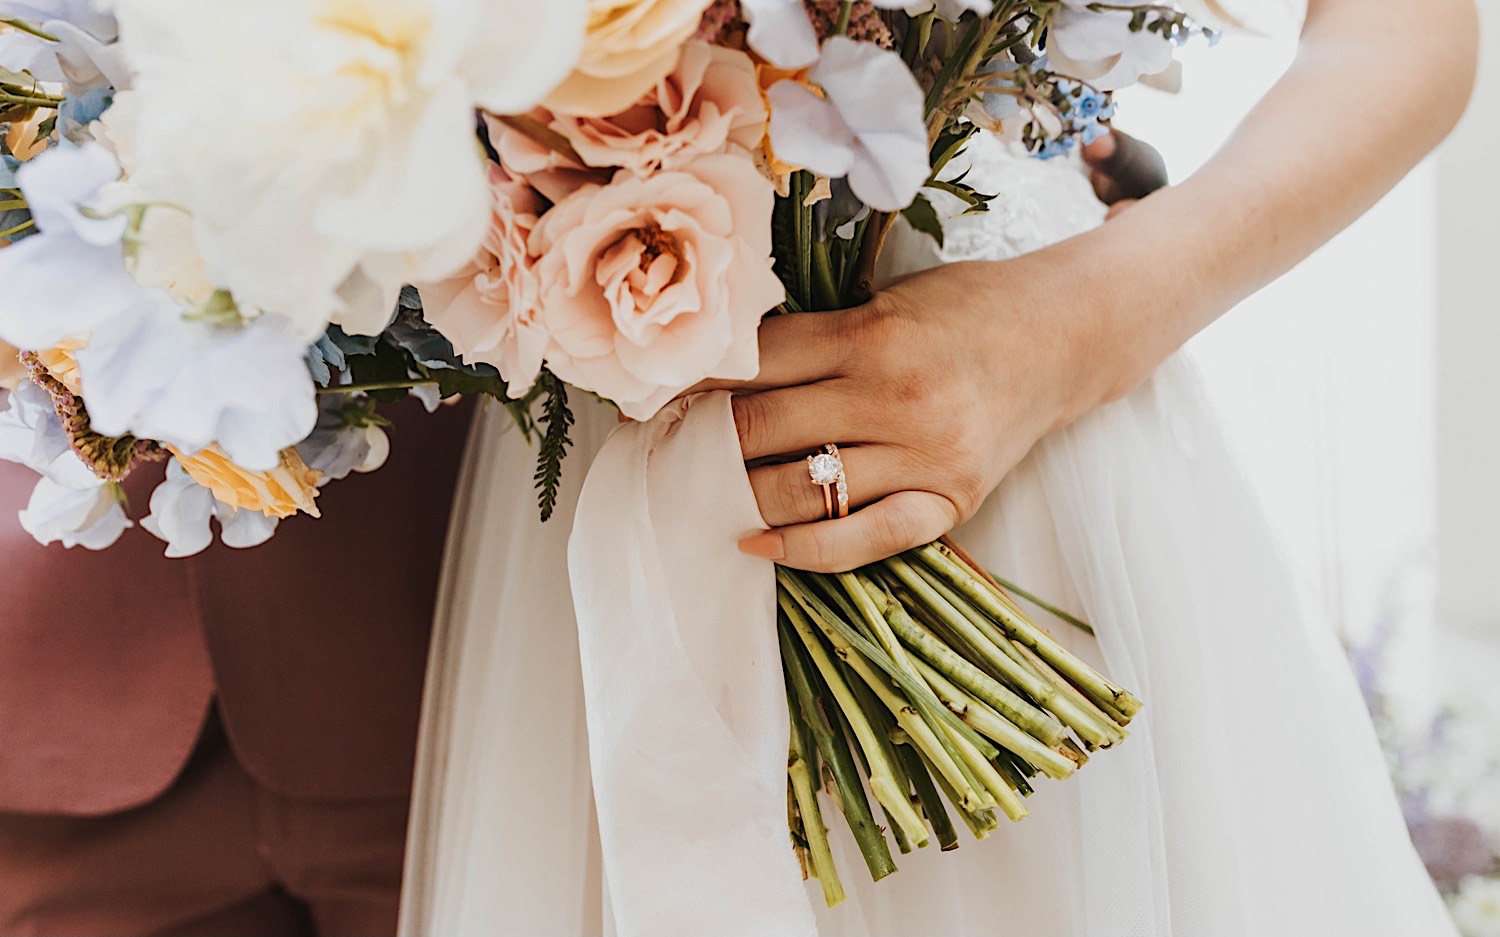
923 667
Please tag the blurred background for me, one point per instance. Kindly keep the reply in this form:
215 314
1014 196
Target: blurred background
1363 393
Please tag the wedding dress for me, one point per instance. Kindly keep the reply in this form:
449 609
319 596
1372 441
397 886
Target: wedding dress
1250 799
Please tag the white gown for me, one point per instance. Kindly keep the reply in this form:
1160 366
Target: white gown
1250 800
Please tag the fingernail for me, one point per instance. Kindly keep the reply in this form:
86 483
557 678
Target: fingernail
767 546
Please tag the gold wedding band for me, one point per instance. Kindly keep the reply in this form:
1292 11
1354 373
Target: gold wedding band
826 469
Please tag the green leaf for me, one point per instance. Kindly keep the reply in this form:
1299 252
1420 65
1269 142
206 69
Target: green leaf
452 382
554 424
388 363
922 216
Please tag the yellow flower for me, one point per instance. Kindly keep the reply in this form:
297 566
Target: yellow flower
22 137
629 47
60 363
281 492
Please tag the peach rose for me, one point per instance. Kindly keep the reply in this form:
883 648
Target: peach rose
488 309
649 285
629 46
551 173
281 492
709 100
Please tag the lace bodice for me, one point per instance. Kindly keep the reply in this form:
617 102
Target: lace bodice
1038 202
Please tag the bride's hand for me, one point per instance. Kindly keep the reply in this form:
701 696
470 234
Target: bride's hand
933 391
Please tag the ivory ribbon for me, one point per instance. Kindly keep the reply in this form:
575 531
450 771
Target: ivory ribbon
683 686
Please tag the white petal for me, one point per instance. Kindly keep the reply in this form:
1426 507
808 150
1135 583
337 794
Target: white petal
180 514
808 131
244 529
882 105
781 32
63 179
190 384
59 287
520 50
91 517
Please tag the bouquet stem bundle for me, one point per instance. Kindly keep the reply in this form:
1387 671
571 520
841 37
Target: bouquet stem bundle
922 682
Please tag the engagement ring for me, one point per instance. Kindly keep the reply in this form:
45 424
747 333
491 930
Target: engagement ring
827 469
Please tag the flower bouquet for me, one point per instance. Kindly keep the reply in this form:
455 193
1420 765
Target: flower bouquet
236 230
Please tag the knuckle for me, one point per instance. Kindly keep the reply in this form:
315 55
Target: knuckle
796 497
752 422
823 549
895 527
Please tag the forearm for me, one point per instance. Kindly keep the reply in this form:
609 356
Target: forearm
1376 84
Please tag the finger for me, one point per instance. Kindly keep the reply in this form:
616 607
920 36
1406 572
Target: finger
1098 153
795 348
787 494
1118 207
899 522
1135 168
1105 188
793 421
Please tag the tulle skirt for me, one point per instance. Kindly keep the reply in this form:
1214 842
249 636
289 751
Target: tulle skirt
1250 799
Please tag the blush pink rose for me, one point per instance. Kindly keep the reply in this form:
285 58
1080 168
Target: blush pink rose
488 309
650 285
710 100
552 174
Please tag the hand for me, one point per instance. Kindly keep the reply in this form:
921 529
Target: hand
933 391
1123 170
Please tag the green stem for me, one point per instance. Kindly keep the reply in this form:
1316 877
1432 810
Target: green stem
842 27
918 693
884 724
928 797
834 749
1042 725
31 99
882 774
988 722
825 290
377 385
907 716
800 769
28 223
800 189
28 27
980 632
1043 604
984 596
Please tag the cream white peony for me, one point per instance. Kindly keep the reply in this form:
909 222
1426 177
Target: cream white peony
325 149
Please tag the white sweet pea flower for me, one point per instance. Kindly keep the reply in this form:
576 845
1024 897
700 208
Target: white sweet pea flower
1100 48
319 142
155 374
780 32
70 277
70 505
32 435
869 125
338 447
949 10
91 517
181 512
84 55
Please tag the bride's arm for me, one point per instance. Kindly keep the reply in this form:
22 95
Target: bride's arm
945 381
1375 86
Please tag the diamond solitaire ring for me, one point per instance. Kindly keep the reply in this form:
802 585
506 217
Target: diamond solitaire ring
827 469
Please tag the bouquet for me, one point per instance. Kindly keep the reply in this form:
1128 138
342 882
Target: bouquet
236 230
